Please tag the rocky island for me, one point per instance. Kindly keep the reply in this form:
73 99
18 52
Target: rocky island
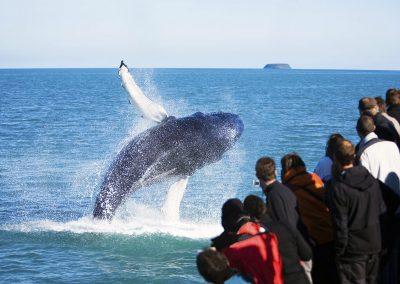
277 66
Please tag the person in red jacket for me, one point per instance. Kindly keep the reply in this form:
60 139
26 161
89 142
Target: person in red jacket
248 247
293 248
257 258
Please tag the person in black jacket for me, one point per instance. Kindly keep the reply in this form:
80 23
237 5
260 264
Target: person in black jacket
393 103
356 208
292 246
281 202
384 127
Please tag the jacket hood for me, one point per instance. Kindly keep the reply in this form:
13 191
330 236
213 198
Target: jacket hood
357 177
300 177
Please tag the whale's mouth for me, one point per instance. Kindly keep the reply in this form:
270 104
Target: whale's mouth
230 127
237 126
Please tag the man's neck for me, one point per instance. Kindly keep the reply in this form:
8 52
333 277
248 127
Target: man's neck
267 183
349 166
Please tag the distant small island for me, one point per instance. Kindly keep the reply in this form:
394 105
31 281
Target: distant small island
277 66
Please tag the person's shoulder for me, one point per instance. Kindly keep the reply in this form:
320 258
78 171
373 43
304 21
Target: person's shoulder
325 160
225 239
389 117
360 170
374 183
337 185
279 189
324 166
379 117
316 177
385 122
381 146
281 186
390 145
272 188
317 180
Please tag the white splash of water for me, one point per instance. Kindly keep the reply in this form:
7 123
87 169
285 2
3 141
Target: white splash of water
145 221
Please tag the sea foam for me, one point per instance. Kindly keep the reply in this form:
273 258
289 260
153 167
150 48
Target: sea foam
145 221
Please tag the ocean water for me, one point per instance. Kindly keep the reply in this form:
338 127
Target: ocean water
61 128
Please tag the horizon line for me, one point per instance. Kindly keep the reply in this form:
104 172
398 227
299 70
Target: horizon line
255 68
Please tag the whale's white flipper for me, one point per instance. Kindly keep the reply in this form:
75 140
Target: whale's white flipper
150 109
174 198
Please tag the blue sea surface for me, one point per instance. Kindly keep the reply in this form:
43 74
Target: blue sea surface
61 128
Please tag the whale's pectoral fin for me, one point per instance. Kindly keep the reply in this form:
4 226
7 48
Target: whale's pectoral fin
149 108
174 199
122 64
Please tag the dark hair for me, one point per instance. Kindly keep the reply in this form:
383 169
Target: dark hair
254 206
381 104
365 125
345 154
290 161
332 144
265 169
392 97
213 266
365 105
232 212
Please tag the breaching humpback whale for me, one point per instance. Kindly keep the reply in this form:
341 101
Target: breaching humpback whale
176 147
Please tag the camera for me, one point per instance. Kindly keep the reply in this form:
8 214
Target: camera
256 182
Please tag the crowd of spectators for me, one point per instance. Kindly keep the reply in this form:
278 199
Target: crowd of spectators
338 224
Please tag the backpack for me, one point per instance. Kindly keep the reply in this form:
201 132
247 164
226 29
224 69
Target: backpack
256 255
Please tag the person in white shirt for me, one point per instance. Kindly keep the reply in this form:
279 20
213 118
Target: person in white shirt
381 158
324 166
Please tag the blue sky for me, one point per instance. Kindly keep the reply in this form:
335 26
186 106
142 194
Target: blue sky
337 34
